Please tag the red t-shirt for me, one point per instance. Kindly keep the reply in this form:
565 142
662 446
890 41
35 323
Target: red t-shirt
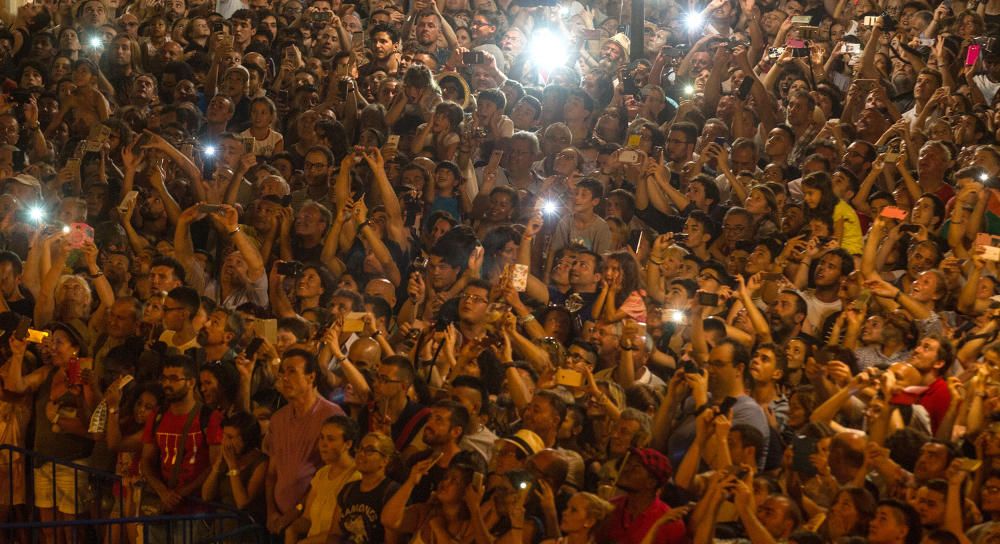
936 400
168 434
623 528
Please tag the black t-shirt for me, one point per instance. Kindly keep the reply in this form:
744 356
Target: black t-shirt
360 511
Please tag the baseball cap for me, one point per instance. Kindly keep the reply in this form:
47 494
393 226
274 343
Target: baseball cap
654 462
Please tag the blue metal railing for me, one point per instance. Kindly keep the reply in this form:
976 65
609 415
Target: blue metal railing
218 522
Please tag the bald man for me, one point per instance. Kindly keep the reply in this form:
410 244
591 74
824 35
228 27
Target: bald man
383 288
365 352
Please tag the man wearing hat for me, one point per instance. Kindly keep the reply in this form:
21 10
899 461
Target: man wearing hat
615 50
644 473
513 451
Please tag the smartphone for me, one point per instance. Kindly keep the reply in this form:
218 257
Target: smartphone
73 376
79 235
871 20
218 27
972 55
794 43
292 269
890 157
628 156
801 19
473 57
680 237
851 48
969 465
343 86
248 146
569 377
21 332
863 297
322 16
209 208
989 243
670 315
266 329
721 141
36 336
690 367
127 201
633 140
253 347
803 447
495 157
894 212
708 299
726 405
283 96
143 140
477 480
774 52
518 277
913 229
392 141
354 322
745 87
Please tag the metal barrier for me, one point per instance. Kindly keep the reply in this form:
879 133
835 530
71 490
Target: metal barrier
98 513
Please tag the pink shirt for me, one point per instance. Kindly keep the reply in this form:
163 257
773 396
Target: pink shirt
290 444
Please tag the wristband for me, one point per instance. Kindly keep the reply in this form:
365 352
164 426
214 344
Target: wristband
234 231
526 319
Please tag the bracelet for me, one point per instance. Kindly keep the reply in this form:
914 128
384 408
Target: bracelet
376 333
654 261
233 472
526 319
96 275
234 231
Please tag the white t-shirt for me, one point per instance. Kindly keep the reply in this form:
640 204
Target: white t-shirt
817 311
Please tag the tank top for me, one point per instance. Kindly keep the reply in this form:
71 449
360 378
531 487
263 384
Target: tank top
61 445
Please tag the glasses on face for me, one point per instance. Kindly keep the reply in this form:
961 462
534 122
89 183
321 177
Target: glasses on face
370 450
474 298
386 379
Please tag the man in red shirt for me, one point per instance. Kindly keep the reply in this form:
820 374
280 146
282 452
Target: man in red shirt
644 473
178 435
932 358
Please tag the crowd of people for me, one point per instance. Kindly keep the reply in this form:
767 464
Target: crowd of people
491 271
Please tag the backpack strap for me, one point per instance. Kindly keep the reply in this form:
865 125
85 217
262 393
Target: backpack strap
416 420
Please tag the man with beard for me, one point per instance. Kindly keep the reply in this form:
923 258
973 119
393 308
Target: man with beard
293 433
318 167
186 432
443 431
142 92
430 27
218 336
823 298
614 53
636 511
786 315
385 43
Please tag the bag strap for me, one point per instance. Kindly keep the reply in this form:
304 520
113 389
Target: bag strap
176 471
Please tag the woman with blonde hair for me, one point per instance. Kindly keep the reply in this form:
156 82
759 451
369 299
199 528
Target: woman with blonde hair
580 519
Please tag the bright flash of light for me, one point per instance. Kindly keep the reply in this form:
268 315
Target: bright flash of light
548 49
689 89
209 151
550 207
693 21
36 214
95 42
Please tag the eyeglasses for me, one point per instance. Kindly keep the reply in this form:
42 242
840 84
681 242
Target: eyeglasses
474 298
371 450
477 24
385 379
